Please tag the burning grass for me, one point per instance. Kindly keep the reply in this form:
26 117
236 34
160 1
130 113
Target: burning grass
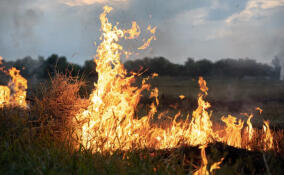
62 133
28 145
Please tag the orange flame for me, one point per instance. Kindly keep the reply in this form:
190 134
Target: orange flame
268 138
134 32
181 97
109 122
19 85
15 93
203 168
148 41
4 96
259 109
233 131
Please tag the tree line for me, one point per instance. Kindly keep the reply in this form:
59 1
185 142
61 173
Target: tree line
224 68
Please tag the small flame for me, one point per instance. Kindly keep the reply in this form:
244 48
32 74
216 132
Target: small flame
259 109
148 42
203 168
268 138
152 30
15 93
233 136
134 32
181 97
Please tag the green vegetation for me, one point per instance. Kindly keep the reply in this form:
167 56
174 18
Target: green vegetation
38 140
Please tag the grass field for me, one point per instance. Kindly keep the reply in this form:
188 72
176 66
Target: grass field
37 141
227 96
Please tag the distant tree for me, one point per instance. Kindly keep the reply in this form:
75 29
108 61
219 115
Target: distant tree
204 68
190 67
54 64
89 68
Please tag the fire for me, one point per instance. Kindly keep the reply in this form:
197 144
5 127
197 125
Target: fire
148 41
4 96
181 97
15 93
109 123
19 86
134 32
233 131
268 139
201 126
203 168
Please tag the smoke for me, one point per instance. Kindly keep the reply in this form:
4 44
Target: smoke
280 56
184 28
18 20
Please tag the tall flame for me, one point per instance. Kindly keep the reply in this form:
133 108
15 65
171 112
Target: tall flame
109 122
109 118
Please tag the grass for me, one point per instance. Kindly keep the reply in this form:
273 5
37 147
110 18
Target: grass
226 96
34 141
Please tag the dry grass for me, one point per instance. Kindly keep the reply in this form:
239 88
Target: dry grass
28 144
58 102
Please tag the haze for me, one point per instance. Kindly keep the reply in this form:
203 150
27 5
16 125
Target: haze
210 29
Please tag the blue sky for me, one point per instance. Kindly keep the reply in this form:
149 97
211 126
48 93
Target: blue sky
210 29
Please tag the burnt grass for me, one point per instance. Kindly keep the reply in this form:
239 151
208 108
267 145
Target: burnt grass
37 140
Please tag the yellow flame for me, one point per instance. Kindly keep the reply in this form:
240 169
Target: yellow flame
268 138
148 41
109 123
152 30
204 162
15 93
233 131
134 32
181 97
250 128
19 85
4 96
203 168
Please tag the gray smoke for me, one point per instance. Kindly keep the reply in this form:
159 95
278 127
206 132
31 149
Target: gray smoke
280 56
18 20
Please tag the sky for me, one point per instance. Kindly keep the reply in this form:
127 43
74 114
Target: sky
211 29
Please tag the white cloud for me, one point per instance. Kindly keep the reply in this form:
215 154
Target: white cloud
255 8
